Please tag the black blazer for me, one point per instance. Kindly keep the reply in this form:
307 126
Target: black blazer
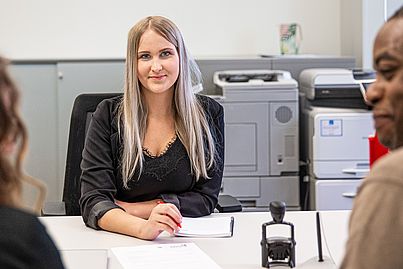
168 176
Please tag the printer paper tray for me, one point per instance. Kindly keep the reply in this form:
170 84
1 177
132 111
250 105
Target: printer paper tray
340 169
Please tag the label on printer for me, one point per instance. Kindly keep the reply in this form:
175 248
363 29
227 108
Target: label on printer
331 127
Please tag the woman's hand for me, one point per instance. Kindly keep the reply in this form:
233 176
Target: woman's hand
163 217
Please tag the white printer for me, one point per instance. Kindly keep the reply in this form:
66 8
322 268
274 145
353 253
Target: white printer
261 135
336 87
335 126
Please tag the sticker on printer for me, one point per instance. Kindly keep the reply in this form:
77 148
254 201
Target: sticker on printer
331 127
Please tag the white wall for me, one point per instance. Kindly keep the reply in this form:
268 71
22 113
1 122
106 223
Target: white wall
351 29
360 22
392 6
87 29
375 13
373 18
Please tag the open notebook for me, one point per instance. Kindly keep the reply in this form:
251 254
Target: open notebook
207 227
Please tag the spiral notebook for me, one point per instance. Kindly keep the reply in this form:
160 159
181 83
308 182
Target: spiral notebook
207 227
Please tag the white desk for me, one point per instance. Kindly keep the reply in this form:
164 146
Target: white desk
335 230
80 244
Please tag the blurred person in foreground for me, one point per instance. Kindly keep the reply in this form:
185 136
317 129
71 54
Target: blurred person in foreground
24 242
376 223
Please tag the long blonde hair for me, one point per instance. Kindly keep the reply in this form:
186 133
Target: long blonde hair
12 129
190 120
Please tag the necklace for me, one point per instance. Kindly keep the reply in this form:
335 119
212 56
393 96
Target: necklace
147 152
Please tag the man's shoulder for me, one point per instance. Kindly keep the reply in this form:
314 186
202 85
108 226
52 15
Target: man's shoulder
388 169
392 160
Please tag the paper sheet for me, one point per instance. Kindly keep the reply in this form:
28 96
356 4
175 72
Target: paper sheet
167 256
206 227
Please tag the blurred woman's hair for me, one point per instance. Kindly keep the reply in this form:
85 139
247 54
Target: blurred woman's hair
13 139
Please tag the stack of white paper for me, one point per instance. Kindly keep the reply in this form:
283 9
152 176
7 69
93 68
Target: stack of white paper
206 227
167 256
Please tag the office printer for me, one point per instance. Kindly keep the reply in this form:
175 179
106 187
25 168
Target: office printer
330 87
252 79
261 136
335 125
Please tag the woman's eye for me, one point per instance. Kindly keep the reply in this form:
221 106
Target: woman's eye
144 57
165 53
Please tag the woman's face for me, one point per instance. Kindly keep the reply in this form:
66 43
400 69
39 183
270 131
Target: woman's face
157 63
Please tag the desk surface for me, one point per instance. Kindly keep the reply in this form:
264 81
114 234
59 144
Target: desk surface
240 251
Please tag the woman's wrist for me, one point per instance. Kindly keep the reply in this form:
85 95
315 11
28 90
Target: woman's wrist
139 209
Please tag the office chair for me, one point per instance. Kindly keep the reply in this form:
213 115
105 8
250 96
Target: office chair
83 107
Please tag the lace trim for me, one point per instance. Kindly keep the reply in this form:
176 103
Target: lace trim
147 152
160 168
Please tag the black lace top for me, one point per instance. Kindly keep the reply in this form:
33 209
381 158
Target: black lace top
167 176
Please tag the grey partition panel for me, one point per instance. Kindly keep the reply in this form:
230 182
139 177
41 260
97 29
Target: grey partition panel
37 83
247 142
75 78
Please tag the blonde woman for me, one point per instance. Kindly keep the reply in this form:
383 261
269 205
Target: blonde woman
156 154
24 242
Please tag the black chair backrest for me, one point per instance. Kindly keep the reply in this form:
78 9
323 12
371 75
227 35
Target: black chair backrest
83 107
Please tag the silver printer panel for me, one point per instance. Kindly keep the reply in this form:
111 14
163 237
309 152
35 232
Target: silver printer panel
261 144
261 138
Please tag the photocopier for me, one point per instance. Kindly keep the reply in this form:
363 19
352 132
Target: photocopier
261 137
336 87
334 128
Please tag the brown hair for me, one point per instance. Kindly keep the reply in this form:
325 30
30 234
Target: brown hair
12 130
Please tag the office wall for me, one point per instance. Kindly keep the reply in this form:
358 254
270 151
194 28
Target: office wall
90 29
360 22
351 29
373 18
